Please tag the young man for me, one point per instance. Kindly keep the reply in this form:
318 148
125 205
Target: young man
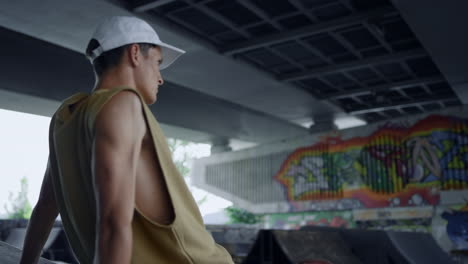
110 173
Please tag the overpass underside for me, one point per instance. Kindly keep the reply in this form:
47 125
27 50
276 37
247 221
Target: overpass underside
253 72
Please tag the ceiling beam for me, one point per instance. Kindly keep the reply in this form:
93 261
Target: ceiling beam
383 87
220 18
151 5
362 111
201 113
395 57
306 31
445 40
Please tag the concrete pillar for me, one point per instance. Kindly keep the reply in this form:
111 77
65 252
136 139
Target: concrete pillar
220 145
323 123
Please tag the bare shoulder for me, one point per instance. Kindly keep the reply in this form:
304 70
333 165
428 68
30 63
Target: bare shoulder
123 102
123 112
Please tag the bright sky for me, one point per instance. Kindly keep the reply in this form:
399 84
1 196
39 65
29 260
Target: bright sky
24 152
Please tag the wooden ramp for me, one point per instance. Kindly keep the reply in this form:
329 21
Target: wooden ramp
388 247
11 255
299 247
323 245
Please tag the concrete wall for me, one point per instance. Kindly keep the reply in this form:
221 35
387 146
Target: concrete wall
404 162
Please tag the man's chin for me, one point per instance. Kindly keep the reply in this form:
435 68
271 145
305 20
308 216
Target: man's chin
152 101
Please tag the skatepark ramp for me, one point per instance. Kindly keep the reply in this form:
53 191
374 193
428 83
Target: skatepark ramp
279 246
323 245
11 255
56 247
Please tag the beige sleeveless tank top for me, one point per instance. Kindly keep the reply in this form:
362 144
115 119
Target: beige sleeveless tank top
71 135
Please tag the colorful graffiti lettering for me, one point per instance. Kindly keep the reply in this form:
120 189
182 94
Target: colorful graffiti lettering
394 166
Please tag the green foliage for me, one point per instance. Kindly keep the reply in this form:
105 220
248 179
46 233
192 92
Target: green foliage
184 170
202 200
241 216
20 208
181 164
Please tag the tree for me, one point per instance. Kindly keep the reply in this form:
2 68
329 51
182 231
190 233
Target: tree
20 206
182 163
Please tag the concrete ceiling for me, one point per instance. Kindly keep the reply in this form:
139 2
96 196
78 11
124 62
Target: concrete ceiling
203 71
360 55
441 27
208 94
52 73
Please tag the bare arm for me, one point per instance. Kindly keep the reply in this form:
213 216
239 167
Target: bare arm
42 219
119 131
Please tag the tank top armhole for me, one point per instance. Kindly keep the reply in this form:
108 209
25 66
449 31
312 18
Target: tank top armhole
151 221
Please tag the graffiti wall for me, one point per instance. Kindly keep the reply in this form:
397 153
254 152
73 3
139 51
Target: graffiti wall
403 219
401 225
396 165
449 226
345 219
341 219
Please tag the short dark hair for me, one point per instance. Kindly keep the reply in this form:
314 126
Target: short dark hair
112 57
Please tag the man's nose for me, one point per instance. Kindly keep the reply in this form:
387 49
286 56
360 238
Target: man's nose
160 81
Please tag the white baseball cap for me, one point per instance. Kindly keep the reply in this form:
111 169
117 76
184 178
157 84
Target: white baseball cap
118 31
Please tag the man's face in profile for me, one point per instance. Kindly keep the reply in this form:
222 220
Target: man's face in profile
149 77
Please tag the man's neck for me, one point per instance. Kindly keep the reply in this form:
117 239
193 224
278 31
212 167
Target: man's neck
115 78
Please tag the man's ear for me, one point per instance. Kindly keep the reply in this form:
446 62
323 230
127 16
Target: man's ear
134 54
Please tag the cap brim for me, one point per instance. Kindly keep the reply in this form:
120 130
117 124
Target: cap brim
169 54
